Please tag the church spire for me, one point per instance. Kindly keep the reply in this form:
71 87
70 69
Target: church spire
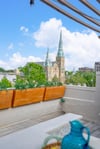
61 60
60 48
47 56
47 61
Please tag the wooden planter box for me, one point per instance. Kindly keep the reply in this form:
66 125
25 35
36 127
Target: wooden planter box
28 96
54 92
6 97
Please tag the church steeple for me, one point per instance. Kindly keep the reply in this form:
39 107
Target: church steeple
47 61
60 48
61 60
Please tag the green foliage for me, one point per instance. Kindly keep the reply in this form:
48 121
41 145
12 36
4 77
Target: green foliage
5 83
32 75
2 70
87 78
33 72
55 79
51 83
90 79
20 83
11 71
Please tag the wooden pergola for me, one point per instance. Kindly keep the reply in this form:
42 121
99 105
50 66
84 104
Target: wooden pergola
61 5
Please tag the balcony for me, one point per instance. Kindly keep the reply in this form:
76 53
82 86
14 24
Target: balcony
22 124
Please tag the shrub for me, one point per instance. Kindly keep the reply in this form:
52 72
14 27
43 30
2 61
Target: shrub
5 83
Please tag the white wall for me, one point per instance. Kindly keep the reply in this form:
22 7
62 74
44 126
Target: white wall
35 112
98 87
98 91
83 101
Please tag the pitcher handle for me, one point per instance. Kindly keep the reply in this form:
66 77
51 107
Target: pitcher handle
88 133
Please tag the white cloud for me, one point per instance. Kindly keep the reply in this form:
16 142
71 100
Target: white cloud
17 60
10 46
2 64
47 35
24 29
81 50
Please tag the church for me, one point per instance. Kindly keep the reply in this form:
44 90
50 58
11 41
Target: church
56 70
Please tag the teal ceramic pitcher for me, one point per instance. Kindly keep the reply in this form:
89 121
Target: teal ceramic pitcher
75 139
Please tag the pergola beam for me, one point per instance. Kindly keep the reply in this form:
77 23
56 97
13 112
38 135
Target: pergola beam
98 1
86 3
69 15
78 11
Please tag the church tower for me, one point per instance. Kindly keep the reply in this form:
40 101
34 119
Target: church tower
56 70
61 60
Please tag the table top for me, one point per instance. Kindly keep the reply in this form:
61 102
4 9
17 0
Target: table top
33 137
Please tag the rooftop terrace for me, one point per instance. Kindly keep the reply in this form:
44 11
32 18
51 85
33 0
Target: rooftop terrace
78 101
13 120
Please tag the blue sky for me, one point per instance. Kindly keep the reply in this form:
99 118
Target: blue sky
27 31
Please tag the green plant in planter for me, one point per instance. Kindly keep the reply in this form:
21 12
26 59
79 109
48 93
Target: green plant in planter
58 83
51 83
23 83
33 84
5 83
20 83
48 83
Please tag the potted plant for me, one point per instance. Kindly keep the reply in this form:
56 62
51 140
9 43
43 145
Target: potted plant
6 93
28 87
54 90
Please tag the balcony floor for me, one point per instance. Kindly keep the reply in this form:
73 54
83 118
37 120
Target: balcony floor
93 126
13 120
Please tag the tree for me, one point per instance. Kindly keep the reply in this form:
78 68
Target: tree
2 70
33 72
88 78
5 83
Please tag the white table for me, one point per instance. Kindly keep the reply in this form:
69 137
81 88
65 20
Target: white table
33 137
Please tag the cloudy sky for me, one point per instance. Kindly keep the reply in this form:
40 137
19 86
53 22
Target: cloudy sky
27 31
